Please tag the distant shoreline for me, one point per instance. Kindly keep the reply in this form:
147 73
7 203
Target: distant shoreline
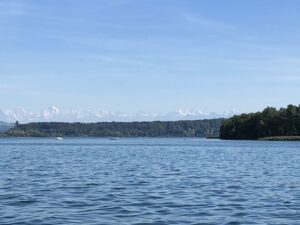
280 138
183 128
268 139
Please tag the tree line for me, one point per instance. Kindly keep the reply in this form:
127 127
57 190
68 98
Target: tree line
268 123
195 128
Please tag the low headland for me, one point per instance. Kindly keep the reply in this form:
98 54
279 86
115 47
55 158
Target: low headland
270 124
281 138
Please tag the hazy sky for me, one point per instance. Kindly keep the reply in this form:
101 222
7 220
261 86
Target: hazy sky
152 55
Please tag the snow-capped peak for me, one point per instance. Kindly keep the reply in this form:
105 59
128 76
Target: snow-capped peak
70 115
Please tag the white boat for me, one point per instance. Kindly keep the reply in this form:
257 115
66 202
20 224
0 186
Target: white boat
59 138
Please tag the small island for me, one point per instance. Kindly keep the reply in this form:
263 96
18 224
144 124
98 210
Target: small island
270 124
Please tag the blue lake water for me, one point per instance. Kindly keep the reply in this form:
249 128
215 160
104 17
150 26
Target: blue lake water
148 181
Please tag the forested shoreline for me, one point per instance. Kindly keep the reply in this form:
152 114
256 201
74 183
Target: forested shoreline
283 123
270 124
187 128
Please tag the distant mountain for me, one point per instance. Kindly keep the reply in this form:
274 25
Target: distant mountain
55 114
5 126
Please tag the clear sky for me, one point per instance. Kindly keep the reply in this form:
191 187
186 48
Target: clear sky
151 55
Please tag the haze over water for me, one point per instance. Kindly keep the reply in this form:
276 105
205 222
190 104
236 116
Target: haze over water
148 181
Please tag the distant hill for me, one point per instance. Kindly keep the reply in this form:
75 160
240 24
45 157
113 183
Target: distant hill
5 126
195 128
271 122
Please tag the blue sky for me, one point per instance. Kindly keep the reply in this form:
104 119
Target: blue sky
151 55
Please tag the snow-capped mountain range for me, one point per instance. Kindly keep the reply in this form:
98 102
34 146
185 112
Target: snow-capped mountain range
55 114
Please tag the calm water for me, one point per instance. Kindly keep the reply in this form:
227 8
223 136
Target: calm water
149 181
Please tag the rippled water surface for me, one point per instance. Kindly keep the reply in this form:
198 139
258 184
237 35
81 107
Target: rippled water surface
149 181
